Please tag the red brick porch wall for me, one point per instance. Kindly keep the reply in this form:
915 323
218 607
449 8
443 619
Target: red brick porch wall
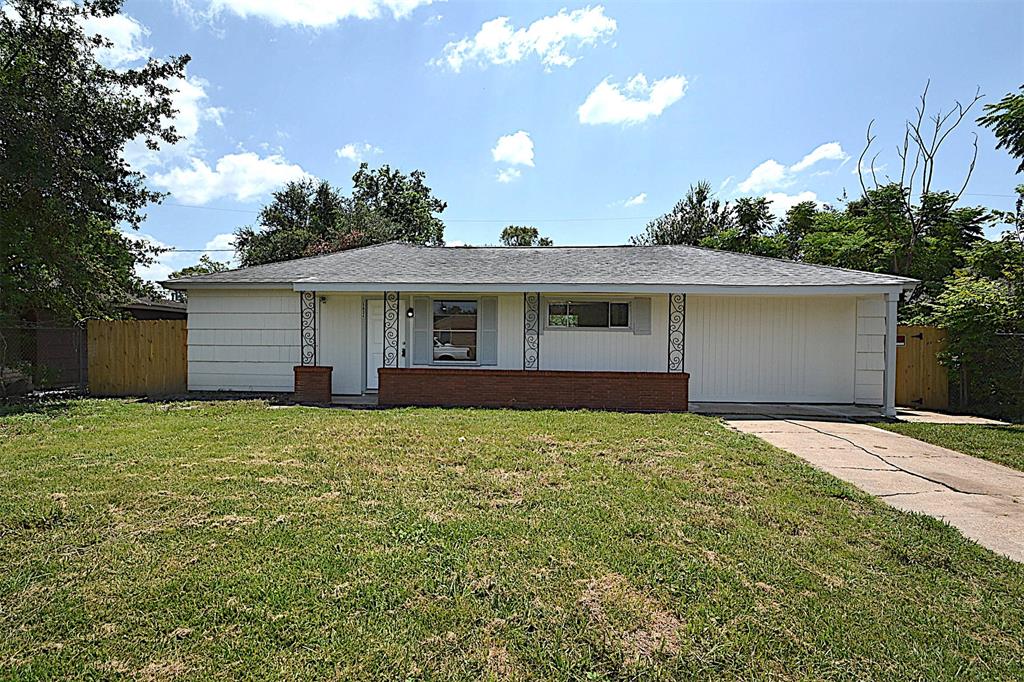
313 384
629 391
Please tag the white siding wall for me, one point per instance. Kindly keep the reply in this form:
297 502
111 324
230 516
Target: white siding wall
609 350
242 340
771 349
738 348
870 377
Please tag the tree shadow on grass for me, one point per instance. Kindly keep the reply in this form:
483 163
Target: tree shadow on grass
50 404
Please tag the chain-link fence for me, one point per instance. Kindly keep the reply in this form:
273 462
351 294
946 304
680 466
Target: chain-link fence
42 356
990 380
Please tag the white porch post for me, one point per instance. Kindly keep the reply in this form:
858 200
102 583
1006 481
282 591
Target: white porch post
889 404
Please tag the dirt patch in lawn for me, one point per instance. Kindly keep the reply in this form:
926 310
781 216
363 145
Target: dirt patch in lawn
635 623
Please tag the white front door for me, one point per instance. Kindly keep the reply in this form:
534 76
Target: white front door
374 341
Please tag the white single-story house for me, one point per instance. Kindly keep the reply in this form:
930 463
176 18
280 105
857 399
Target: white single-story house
622 327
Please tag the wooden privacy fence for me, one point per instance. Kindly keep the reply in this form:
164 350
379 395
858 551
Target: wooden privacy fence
137 357
920 380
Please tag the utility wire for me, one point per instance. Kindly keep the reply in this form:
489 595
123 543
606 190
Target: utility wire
520 220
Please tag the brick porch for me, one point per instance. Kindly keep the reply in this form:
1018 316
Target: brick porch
463 387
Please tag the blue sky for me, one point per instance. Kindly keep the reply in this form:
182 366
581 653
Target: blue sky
537 113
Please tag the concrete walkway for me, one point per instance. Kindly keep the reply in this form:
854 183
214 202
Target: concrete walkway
984 500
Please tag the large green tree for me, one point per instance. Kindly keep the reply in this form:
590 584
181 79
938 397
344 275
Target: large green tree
309 217
65 190
1006 119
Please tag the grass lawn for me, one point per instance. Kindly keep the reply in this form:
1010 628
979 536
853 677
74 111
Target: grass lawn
235 540
1002 444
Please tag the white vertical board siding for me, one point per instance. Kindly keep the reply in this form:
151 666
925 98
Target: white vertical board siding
618 350
870 377
340 334
242 339
771 349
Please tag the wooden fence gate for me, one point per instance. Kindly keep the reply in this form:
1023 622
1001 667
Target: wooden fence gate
137 357
920 380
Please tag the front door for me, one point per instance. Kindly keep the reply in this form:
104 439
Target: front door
374 341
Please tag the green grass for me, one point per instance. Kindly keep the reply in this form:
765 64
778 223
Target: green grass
997 443
235 540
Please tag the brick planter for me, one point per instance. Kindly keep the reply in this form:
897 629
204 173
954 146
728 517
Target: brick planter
313 384
627 391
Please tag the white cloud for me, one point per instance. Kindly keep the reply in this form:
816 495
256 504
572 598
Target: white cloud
215 249
456 242
636 200
241 176
308 13
126 35
769 174
782 202
866 166
357 151
633 103
506 175
773 175
170 261
498 42
515 149
193 109
830 151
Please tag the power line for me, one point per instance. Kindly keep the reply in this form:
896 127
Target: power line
504 220
195 250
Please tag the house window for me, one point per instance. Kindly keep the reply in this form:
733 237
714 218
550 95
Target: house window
455 331
588 314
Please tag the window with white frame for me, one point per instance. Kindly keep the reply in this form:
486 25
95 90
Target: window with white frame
455 331
588 314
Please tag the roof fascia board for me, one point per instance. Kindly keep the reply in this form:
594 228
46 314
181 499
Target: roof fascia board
183 286
740 290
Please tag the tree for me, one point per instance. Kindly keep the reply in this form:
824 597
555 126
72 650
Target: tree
521 235
798 223
303 213
906 209
404 201
1006 119
752 230
64 189
982 308
696 216
310 218
205 266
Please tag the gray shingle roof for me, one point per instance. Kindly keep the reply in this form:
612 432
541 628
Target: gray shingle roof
399 263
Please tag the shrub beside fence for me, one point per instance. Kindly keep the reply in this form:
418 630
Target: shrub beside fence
989 380
137 357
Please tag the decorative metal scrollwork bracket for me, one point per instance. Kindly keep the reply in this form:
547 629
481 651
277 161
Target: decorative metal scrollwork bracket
307 327
531 331
391 329
676 332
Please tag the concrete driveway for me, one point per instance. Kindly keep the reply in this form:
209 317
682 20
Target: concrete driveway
984 500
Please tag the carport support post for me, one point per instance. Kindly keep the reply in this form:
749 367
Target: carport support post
891 304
